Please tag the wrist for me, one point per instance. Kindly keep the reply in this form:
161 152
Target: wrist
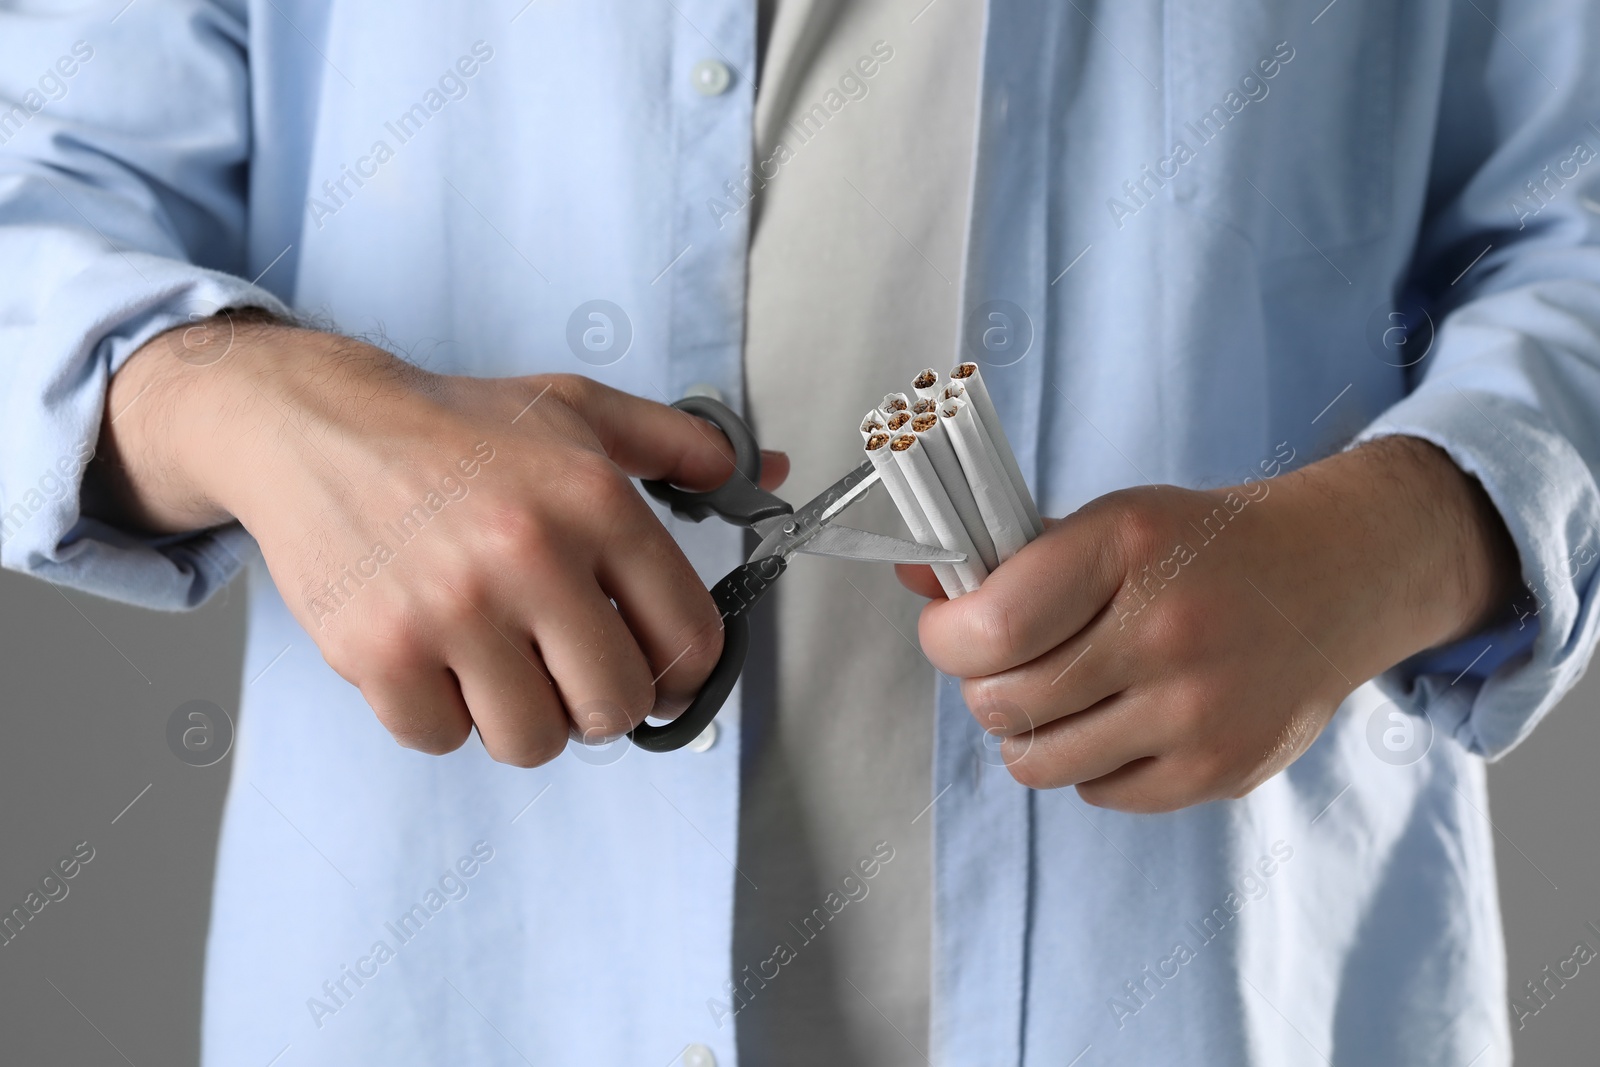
198 421
1406 549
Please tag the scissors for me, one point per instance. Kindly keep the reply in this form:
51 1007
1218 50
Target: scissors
783 532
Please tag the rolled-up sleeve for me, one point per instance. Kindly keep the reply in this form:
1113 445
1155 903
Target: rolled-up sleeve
124 145
1508 266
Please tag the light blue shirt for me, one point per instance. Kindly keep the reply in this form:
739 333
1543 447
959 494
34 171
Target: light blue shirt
1199 235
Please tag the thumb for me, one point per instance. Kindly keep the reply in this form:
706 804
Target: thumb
659 442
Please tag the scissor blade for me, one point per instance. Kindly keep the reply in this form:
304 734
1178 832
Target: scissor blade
846 542
848 490
783 535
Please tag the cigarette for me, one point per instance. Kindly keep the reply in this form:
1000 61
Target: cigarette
905 501
953 391
924 404
1002 514
943 457
927 384
977 394
873 420
893 402
925 484
897 420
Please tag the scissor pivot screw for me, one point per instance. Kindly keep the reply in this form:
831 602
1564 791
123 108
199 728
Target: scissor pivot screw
789 527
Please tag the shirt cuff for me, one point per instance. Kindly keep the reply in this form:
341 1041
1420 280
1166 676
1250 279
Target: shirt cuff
54 399
1491 689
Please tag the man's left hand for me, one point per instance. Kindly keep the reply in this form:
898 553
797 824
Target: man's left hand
1163 647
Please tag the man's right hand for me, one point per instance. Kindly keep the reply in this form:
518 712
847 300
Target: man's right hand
468 552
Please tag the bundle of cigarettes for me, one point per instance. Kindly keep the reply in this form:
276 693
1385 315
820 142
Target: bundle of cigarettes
943 455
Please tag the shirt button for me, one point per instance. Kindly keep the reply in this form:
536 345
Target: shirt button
705 389
698 1056
703 743
711 77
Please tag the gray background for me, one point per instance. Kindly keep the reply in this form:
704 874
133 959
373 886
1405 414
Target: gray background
111 974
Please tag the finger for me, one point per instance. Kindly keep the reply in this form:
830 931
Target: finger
774 469
667 609
1075 675
1034 601
1083 747
919 578
593 658
647 439
1144 787
422 708
507 690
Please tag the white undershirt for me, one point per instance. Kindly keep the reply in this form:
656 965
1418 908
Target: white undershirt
854 267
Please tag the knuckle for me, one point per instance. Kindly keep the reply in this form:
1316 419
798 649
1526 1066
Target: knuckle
1139 531
990 702
572 390
391 643
1097 795
516 533
419 726
600 720
456 601
526 751
989 634
698 643
1131 797
592 479
638 698
1034 772
434 734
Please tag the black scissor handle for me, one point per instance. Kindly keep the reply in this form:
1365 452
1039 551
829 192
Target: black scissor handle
734 595
739 499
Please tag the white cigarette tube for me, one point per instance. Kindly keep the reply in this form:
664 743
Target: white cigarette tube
1006 523
953 390
977 394
912 459
924 404
927 384
1021 506
893 402
943 457
905 501
897 422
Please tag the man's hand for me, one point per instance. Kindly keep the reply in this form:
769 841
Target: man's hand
469 552
1163 647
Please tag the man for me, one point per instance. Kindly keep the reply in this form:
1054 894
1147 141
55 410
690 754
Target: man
1192 246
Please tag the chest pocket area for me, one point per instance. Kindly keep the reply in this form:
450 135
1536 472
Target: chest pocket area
1280 128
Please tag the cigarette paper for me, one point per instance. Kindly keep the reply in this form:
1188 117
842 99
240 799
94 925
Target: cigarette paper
927 384
925 484
905 501
893 402
1002 515
924 404
943 457
873 420
897 421
953 391
977 394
